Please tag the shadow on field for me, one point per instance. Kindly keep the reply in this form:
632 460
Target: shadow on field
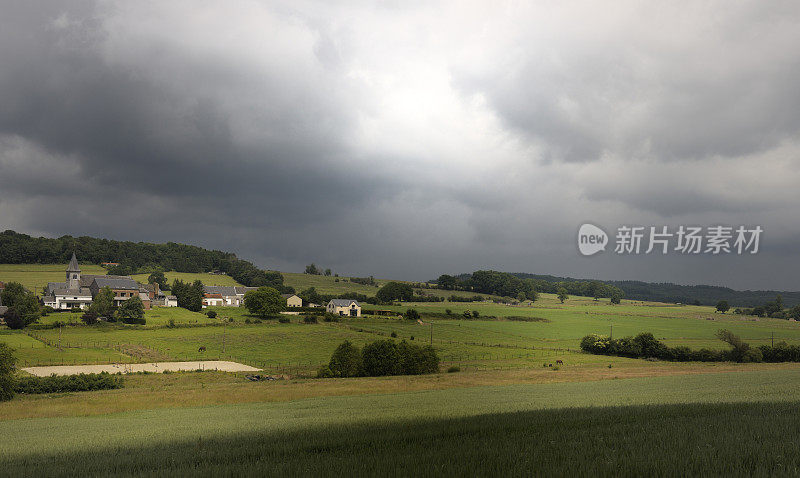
696 439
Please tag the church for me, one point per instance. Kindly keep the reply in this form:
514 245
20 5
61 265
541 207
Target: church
79 290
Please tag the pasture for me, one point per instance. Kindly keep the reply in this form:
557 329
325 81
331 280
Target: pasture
727 423
206 279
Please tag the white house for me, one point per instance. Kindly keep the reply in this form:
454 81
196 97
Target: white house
213 300
292 300
344 307
231 296
170 301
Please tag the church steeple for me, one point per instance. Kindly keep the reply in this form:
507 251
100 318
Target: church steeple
73 273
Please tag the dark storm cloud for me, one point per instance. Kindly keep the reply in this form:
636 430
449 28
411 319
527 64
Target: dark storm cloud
403 140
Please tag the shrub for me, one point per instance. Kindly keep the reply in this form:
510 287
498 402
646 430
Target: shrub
467 314
70 383
329 317
47 310
324 372
89 317
476 314
412 337
310 319
7 368
448 311
284 320
211 314
453 369
171 323
412 314
381 358
247 321
393 334
416 360
346 360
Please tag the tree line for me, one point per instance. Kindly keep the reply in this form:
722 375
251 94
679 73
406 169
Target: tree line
134 257
525 288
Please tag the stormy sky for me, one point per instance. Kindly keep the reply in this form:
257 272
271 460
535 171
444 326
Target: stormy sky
407 139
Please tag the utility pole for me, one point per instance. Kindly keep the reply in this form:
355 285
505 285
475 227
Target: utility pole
612 332
224 327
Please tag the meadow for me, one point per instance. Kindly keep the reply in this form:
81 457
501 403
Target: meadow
741 423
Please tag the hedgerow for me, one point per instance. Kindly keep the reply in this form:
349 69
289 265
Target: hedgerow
69 383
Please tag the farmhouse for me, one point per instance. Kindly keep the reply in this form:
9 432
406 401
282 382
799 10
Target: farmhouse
231 296
124 288
344 307
292 300
212 300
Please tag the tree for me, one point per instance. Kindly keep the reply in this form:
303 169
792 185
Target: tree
159 278
190 296
346 360
103 303
7 369
310 296
722 306
416 360
447 282
312 269
381 358
131 311
394 291
616 297
327 272
522 297
264 302
23 306
89 317
412 314
562 294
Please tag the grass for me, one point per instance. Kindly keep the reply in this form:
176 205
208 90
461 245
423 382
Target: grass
35 277
206 279
734 424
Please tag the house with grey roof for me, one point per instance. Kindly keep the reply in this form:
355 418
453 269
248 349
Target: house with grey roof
79 290
344 307
232 296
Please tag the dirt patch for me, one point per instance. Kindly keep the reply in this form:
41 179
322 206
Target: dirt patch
156 367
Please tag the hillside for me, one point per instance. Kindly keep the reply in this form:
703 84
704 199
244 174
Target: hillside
685 294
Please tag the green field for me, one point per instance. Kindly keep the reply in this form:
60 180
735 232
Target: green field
734 424
507 411
36 276
206 279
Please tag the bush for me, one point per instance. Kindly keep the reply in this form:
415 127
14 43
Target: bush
89 317
416 360
247 321
284 320
476 314
448 311
346 360
47 310
310 319
324 372
453 369
329 317
211 314
393 334
412 314
70 383
381 358
7 368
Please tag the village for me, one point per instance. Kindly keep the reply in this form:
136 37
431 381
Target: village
79 290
